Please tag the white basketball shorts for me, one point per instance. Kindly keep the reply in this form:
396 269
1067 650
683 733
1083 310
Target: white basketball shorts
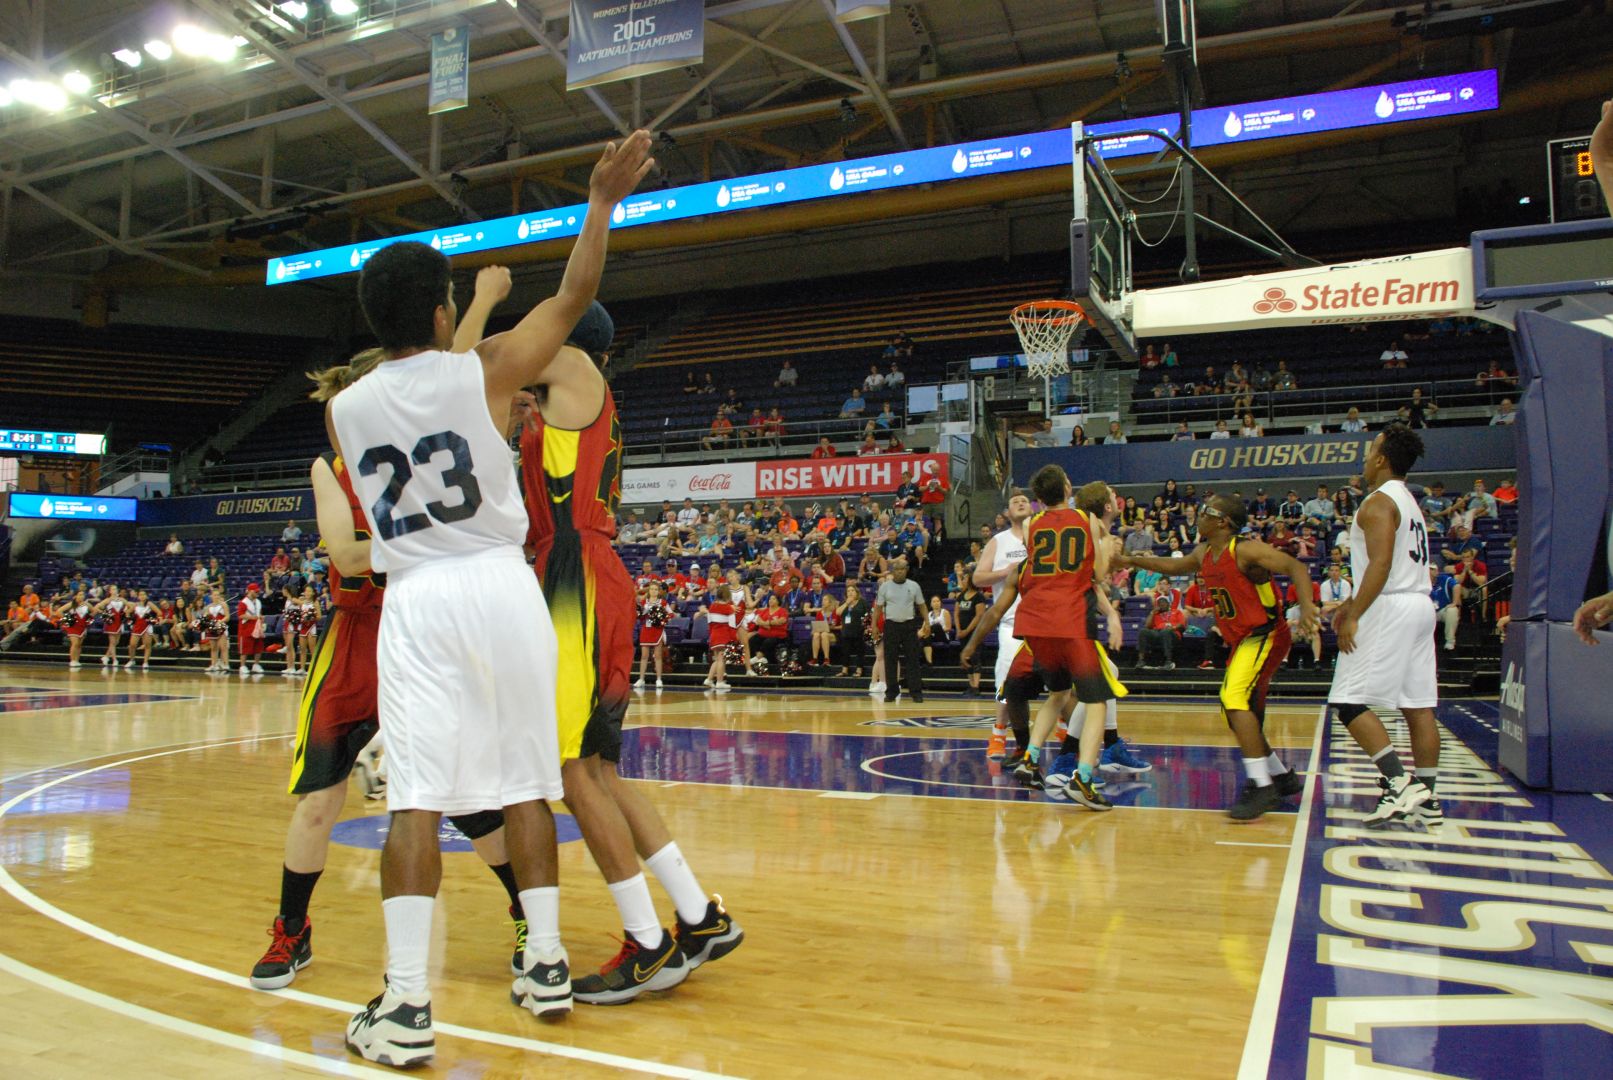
1007 646
467 659
1393 663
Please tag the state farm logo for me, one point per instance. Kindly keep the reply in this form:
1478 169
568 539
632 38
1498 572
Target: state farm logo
1274 299
715 482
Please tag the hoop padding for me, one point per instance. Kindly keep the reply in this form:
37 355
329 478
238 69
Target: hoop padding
1045 328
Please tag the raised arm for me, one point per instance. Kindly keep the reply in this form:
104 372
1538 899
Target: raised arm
518 357
492 286
349 554
1187 564
988 622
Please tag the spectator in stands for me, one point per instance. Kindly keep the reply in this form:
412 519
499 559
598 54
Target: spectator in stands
1166 388
872 564
1183 432
1117 434
1168 355
1078 436
1344 506
1480 503
1417 412
312 563
1235 377
1494 376
688 516
1260 378
1150 359
1472 575
1186 529
875 382
907 492
1394 357
710 543
707 384
1250 429
1447 597
198 574
291 534
853 632
631 530
774 429
1210 384
830 561
787 376
1261 509
732 403
691 385
1314 638
887 418
1504 413
894 444
1291 511
1283 379
1353 424
215 574
1304 545
721 430
894 377
854 406
1139 541
1160 634
1437 507
279 564
824 449
1220 431
1462 543
1506 492
174 547
934 494
788 526
751 431
1319 511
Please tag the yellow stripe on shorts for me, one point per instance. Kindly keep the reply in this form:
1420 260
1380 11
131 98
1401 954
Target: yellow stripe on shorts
324 651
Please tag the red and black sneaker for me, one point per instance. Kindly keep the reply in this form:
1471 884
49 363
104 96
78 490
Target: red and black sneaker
633 971
287 955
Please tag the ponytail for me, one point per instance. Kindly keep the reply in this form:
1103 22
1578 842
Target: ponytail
333 380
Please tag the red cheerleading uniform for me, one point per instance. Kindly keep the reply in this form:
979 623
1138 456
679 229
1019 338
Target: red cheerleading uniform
112 621
652 632
721 620
142 620
77 620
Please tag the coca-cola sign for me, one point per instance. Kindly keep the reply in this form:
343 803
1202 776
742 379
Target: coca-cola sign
719 480
716 483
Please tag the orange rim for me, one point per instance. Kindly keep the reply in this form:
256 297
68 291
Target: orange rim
1049 312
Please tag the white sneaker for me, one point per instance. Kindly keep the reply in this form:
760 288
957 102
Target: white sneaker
129 666
709 682
1400 797
105 660
544 989
1450 646
394 1030
639 685
876 688
722 688
243 671
74 667
659 684
257 669
145 665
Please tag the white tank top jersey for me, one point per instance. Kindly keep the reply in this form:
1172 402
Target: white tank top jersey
1010 552
431 471
1408 569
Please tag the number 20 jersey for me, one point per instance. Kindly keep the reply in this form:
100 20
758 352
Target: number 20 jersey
1056 578
436 479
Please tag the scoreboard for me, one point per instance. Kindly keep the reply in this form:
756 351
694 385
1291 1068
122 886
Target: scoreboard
18 441
1575 193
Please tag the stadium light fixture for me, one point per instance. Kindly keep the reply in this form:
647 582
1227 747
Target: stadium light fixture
344 7
41 95
159 50
77 82
5 97
295 8
194 41
129 57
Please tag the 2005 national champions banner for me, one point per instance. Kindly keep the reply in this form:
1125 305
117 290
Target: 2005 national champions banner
623 39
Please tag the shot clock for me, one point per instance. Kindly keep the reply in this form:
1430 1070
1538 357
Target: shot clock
1575 193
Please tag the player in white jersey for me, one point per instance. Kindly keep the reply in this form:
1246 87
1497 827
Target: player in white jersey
466 654
1386 633
1003 552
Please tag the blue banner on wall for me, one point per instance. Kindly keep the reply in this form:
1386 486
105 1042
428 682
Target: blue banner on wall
71 507
613 40
1294 458
233 509
1441 96
450 70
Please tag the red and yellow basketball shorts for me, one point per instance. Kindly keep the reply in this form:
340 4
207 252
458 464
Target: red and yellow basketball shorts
1075 663
1250 669
593 604
338 714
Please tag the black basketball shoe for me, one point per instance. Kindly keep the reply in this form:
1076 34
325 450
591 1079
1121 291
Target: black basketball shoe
287 955
633 971
1289 784
712 938
1254 801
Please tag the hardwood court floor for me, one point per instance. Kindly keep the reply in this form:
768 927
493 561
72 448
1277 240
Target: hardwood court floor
886 931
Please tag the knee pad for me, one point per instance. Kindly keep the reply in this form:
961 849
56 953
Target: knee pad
477 825
1347 714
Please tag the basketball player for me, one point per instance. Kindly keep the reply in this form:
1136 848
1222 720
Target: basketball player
1002 553
466 651
1249 614
571 461
1386 633
338 715
1067 553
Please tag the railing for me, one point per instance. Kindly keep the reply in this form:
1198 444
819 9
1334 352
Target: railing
255 476
1330 404
798 440
139 460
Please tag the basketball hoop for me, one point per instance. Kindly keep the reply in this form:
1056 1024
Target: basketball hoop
1045 328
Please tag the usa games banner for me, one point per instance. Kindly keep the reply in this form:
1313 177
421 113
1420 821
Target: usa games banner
613 39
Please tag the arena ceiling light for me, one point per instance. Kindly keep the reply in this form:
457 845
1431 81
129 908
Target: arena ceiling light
159 50
295 8
41 95
344 7
5 97
129 57
77 82
194 41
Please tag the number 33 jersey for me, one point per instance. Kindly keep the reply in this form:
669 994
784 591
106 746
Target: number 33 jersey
1408 561
435 478
1055 580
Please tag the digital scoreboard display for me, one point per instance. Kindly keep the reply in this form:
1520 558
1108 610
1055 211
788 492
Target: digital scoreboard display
1576 195
18 441
1387 103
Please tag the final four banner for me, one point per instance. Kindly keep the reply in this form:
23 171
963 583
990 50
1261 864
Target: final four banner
450 70
612 40
851 10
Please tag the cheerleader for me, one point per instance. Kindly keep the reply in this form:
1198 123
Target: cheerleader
288 630
74 617
744 617
249 635
937 628
720 622
874 631
215 626
653 613
111 612
143 632
309 611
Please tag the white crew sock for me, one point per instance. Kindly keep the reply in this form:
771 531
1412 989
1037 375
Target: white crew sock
679 882
1258 771
1275 765
408 942
541 907
638 910
1111 715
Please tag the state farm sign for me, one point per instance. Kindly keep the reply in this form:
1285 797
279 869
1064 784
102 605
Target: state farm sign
1425 285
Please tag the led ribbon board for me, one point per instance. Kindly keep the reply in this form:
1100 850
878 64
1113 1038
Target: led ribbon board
51 442
72 508
1389 103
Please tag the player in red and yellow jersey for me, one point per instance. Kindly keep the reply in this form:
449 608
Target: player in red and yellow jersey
1060 618
571 464
1249 614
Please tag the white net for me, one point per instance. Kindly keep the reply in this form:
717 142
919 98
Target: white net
1045 328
